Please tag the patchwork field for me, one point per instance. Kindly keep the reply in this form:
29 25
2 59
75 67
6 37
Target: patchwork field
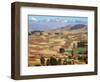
66 45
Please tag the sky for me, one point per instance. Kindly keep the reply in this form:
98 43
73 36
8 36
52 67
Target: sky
41 23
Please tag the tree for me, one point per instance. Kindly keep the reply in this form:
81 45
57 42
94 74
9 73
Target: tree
61 50
53 61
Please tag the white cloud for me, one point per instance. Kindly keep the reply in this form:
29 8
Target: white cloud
48 19
34 19
66 21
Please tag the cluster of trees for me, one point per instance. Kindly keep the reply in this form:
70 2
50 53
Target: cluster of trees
66 60
50 61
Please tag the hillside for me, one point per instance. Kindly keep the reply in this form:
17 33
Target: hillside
48 42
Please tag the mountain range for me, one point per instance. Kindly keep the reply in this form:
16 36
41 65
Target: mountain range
47 25
76 27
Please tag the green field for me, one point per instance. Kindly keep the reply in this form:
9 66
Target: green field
78 51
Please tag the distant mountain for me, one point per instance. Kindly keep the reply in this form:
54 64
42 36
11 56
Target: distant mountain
70 28
45 25
75 27
78 26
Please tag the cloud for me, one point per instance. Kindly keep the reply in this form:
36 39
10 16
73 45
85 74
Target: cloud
66 21
34 19
48 20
